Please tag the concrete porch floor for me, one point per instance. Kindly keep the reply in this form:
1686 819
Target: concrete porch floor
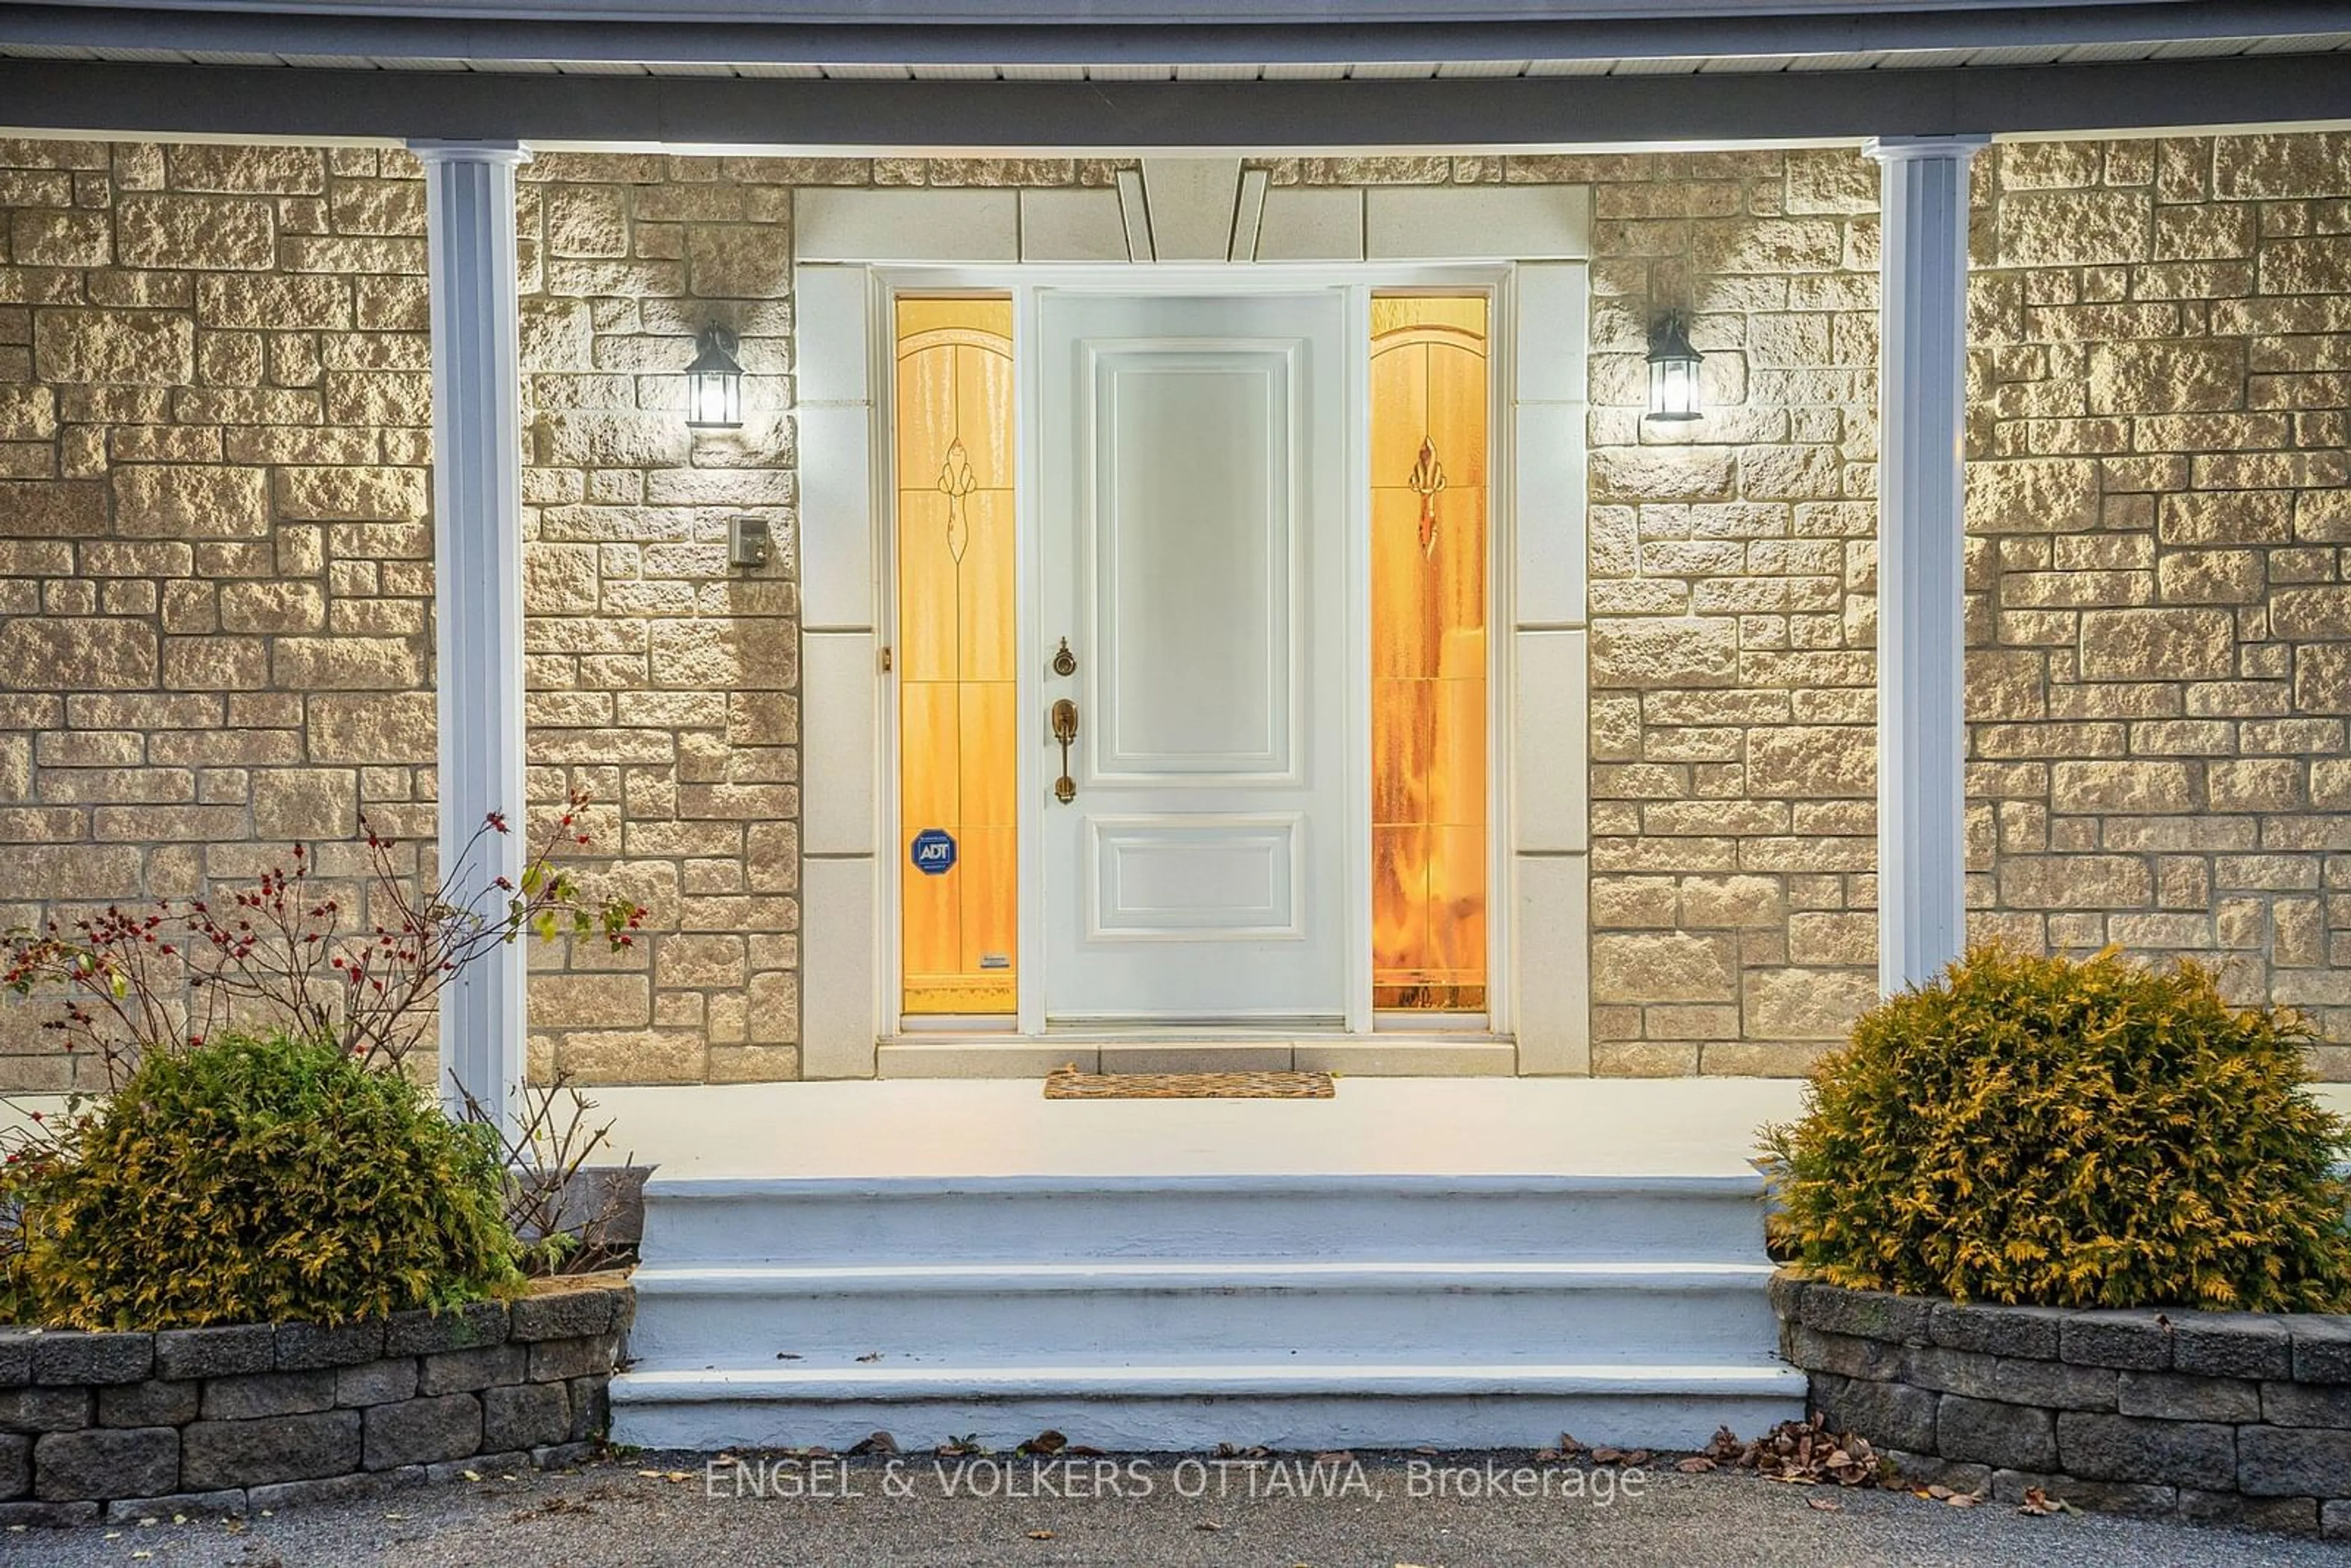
1597 1126
1375 1126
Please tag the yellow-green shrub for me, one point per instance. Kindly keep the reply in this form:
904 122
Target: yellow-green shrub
2092 1133
258 1180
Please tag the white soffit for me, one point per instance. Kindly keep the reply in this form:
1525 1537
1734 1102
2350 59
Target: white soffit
1963 57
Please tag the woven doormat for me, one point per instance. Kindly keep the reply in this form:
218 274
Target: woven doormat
1069 1083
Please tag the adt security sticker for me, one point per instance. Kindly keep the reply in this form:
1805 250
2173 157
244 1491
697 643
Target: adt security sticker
935 851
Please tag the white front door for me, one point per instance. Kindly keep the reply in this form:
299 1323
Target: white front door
1192 507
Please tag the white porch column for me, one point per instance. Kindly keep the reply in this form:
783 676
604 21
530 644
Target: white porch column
477 577
1921 408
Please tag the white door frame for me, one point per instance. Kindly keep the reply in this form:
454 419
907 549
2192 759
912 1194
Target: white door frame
852 247
1356 284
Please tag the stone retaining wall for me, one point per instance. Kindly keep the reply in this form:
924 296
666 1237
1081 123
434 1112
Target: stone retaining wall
221 1420
2234 1418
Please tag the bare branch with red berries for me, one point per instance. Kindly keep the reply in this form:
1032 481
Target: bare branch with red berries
287 954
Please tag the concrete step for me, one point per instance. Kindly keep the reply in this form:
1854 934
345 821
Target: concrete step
1100 1312
1328 1404
1325 1218
1159 1312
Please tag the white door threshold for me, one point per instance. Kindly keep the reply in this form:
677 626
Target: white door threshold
1026 1056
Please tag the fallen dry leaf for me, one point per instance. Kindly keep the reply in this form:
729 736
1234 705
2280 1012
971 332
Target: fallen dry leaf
1805 1452
1040 1535
1826 1504
1696 1465
2040 1504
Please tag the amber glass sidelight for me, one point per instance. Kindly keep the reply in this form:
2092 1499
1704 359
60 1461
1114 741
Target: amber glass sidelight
955 654
1428 455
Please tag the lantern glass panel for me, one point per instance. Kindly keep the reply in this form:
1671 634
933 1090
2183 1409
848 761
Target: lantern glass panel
1673 389
717 399
714 384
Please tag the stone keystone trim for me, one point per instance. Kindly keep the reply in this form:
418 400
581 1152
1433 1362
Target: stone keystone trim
252 1416
2233 1417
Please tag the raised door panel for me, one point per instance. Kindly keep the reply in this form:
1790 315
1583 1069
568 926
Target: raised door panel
1194 878
1195 544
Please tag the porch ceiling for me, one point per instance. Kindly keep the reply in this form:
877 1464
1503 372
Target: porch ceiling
1132 75
1149 41
983 118
651 59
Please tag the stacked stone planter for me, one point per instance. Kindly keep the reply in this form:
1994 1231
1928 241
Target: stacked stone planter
248 1417
2237 1417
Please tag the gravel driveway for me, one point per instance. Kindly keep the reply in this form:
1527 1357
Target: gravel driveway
614 1512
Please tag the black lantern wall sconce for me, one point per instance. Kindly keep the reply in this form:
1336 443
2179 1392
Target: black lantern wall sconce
1673 370
714 384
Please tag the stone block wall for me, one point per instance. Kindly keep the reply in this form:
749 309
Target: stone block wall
660 679
2159 587
255 1416
2160 573
2231 1418
214 576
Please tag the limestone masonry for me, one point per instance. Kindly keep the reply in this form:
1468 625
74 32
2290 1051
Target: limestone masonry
215 579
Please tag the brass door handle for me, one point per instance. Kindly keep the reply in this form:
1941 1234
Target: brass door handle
1065 730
